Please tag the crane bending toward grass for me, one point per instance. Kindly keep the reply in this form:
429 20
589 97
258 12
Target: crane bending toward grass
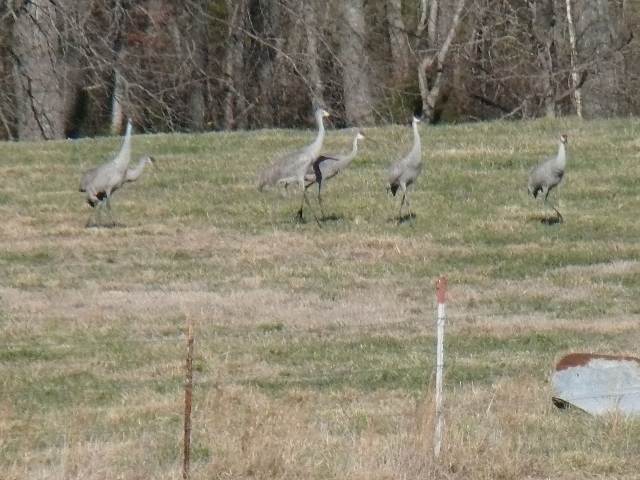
328 166
131 175
547 175
134 173
405 171
292 167
101 182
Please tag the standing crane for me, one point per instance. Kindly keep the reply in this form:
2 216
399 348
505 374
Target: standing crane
404 172
328 166
292 167
100 182
547 175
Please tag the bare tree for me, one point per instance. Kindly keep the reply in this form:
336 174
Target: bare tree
398 41
311 27
543 31
575 76
40 71
233 61
597 47
433 52
118 96
80 66
355 78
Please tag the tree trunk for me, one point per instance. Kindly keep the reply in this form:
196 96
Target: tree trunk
575 77
313 66
398 42
117 102
198 51
431 67
40 73
596 47
355 76
543 26
270 71
234 62
118 96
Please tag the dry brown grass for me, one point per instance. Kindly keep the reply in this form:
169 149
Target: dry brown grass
314 348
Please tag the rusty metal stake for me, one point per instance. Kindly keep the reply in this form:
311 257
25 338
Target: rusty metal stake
188 393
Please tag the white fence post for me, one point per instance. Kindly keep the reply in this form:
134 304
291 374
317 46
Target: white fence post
441 289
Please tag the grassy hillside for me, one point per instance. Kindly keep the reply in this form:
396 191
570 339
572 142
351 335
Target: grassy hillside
314 346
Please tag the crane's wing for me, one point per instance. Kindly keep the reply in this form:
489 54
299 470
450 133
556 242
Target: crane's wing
317 165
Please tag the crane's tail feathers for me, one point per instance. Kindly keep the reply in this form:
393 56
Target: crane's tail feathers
393 188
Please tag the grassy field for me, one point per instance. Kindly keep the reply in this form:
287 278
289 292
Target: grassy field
315 346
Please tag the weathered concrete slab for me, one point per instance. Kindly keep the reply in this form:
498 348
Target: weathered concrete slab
598 384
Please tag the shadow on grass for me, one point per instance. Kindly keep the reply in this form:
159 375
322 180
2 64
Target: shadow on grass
545 219
105 225
332 218
408 218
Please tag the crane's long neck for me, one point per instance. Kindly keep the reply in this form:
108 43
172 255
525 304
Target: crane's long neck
351 155
124 155
561 158
416 139
316 146
134 173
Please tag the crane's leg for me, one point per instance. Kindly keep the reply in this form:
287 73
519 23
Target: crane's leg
320 198
305 199
408 203
404 196
559 215
300 217
92 221
108 205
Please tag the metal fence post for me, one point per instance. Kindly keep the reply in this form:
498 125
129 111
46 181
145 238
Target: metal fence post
441 289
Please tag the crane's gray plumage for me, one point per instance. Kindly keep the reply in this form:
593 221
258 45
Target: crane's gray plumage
100 182
134 173
547 175
328 166
404 172
292 167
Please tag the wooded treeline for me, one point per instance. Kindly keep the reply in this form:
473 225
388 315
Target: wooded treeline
78 67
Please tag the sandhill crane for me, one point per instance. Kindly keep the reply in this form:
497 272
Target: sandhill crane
134 173
100 182
548 174
328 166
405 171
292 167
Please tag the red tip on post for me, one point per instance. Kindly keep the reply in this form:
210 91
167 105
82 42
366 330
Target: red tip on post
441 290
